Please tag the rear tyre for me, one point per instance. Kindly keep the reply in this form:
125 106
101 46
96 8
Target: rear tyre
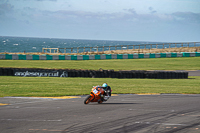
87 100
99 102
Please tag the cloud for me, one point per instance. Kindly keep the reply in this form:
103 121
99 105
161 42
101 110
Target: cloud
152 10
131 10
5 7
127 15
43 0
187 17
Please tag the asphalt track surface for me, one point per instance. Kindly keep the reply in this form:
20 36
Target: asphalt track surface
165 113
194 73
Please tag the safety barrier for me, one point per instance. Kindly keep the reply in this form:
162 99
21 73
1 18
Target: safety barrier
33 72
97 57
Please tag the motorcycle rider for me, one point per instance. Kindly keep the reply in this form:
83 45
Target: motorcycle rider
106 88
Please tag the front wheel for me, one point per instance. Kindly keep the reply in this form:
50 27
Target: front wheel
87 100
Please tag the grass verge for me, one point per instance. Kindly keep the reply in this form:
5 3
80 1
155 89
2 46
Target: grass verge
184 63
49 86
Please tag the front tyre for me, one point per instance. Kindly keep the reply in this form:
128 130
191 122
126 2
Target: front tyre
87 100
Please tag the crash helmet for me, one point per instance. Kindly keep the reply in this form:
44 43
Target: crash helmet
105 85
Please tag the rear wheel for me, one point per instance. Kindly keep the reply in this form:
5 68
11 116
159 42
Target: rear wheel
99 102
87 100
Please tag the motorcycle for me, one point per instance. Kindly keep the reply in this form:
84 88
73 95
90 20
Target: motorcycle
97 94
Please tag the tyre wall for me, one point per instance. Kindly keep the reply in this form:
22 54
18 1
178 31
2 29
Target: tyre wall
32 72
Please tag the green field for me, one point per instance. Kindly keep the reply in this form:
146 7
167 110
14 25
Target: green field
51 86
186 63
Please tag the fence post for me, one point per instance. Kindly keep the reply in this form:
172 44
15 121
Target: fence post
84 50
169 45
71 49
77 49
97 49
109 48
163 45
90 49
175 45
64 50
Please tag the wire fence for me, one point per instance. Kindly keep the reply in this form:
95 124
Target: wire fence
120 47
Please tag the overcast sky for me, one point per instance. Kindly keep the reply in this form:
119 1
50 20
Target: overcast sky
127 20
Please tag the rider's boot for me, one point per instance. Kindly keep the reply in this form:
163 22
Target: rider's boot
102 98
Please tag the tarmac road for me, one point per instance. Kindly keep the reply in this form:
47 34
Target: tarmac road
120 114
194 73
